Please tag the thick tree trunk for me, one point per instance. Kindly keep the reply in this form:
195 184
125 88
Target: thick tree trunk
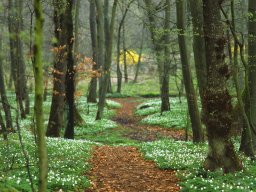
70 86
186 71
3 127
5 103
221 153
251 96
39 91
92 90
58 94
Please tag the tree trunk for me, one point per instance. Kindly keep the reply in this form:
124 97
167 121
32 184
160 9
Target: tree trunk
92 90
118 68
140 55
246 145
252 67
186 71
57 107
196 9
159 46
16 53
109 31
4 100
39 91
119 72
70 86
3 127
125 59
199 44
20 59
221 153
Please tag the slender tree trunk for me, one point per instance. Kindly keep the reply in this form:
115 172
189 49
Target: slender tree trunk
107 44
57 107
101 55
78 120
70 86
140 55
92 90
5 103
118 69
246 145
108 52
196 9
22 80
125 59
119 72
159 51
39 91
186 71
221 153
17 63
165 105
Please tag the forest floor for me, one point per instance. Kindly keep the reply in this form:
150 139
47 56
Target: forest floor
123 168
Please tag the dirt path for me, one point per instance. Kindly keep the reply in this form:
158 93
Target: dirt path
125 116
122 168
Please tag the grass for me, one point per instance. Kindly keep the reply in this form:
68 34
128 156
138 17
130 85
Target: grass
68 161
148 86
175 118
187 159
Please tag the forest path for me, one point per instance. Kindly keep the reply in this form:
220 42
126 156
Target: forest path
122 168
134 130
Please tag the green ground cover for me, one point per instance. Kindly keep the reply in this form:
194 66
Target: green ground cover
187 159
175 118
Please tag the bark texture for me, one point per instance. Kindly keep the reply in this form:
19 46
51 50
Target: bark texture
70 86
39 91
92 92
59 72
221 153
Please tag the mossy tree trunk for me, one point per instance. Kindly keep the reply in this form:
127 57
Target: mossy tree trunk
187 76
221 153
39 91
251 92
